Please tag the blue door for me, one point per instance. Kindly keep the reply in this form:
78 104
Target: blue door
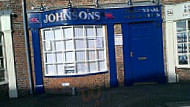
143 52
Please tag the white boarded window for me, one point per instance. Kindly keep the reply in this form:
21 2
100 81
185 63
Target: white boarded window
74 50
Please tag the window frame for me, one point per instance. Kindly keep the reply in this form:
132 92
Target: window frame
187 30
74 50
4 60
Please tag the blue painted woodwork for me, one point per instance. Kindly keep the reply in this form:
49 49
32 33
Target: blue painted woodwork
128 80
106 16
143 52
141 29
39 88
111 51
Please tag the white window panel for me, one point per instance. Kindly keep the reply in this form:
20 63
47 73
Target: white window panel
59 58
80 44
78 32
91 43
69 69
99 31
69 56
48 46
50 69
50 58
183 60
60 69
102 65
181 26
99 42
69 45
90 31
59 45
68 51
100 54
68 32
93 66
80 55
91 55
81 68
58 34
182 48
181 37
48 35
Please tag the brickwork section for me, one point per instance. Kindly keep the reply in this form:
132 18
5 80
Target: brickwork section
54 85
119 57
184 75
19 45
165 2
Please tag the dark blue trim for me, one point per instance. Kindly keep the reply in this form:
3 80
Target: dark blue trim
82 75
112 60
128 80
100 16
160 67
39 88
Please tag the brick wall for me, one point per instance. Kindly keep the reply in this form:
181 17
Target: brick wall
19 45
119 57
184 75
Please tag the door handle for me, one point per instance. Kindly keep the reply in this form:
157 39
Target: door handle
142 58
131 54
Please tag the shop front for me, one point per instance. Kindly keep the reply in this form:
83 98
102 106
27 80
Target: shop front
77 46
177 40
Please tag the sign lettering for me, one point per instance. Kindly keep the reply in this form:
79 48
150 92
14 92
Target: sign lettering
62 16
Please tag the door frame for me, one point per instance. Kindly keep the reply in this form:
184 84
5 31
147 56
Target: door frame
128 76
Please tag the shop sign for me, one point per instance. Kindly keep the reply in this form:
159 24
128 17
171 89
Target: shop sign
118 39
64 15
80 16
186 10
170 12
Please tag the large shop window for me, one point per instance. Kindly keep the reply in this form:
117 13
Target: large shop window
74 50
183 43
3 74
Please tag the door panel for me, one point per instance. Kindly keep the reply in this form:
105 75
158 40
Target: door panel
142 52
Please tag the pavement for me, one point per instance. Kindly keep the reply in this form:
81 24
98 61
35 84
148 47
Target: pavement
155 95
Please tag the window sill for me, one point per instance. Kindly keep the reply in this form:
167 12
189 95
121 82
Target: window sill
3 83
183 66
76 75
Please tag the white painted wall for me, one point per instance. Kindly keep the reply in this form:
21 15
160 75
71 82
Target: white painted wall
170 53
177 11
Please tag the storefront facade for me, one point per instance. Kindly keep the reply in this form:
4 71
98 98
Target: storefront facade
77 46
177 40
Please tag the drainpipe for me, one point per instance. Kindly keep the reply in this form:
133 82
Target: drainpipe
27 46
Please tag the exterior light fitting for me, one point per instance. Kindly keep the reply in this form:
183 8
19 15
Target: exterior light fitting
97 4
130 2
70 4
